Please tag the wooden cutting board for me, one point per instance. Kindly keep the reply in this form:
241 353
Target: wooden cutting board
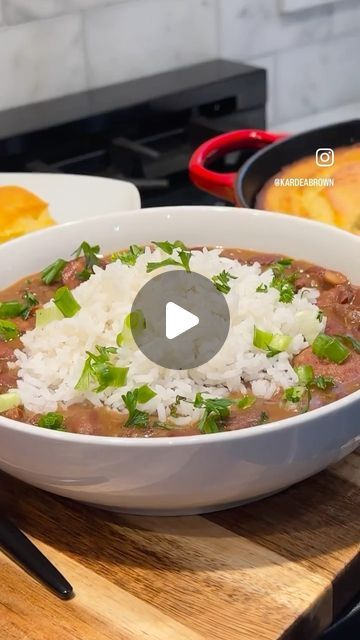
278 569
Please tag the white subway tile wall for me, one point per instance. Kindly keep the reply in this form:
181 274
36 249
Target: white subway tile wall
135 39
55 47
41 60
18 11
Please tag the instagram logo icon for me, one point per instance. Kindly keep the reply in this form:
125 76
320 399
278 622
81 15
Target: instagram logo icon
325 157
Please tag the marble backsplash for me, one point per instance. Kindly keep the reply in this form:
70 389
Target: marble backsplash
50 48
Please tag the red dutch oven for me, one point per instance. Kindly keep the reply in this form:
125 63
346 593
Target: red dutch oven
273 151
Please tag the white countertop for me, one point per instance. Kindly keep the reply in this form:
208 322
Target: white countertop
340 114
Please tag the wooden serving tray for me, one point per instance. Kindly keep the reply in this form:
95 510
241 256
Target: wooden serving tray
282 568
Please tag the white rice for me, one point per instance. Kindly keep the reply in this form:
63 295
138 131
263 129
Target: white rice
53 356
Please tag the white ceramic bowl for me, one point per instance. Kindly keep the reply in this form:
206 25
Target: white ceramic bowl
76 197
190 474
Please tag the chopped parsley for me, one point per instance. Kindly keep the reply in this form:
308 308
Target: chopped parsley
323 382
51 420
129 257
215 411
262 288
98 370
30 301
282 281
307 382
264 417
177 247
221 281
136 417
91 259
294 394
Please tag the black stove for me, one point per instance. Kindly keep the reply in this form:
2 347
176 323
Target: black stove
143 131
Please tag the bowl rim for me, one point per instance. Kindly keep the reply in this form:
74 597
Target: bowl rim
271 427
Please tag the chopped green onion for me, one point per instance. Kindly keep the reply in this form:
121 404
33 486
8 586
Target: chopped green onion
51 420
145 394
8 330
221 281
350 342
11 309
305 374
262 339
134 323
272 344
280 342
320 316
46 315
294 394
264 417
108 375
53 272
9 400
65 301
330 348
208 423
136 417
246 402
262 288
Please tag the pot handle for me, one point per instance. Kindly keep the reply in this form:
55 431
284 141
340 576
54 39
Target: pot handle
222 185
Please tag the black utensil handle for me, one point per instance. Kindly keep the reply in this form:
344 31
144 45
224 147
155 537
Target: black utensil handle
30 557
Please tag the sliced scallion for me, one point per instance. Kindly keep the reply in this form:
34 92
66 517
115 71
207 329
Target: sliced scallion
46 315
246 402
305 374
134 323
330 348
11 309
261 338
272 344
53 272
145 393
65 301
8 330
9 400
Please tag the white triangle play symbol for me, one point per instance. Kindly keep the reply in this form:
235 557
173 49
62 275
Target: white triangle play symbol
178 320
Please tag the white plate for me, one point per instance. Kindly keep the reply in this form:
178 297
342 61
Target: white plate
75 197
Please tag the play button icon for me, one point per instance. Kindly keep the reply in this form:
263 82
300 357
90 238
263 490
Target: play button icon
185 320
178 320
